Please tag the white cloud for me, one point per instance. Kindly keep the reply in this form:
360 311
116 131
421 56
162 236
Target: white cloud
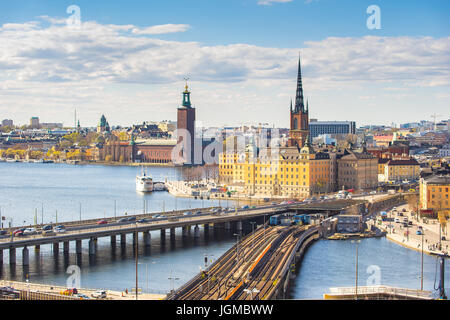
270 2
57 67
162 29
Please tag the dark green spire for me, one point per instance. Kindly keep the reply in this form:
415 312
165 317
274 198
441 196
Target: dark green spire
299 104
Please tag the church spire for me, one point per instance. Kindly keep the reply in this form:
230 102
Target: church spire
299 104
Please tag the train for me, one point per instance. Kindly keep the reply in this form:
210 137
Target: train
281 219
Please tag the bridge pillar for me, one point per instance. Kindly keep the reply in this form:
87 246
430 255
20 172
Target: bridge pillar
37 247
123 239
172 232
1 257
163 234
134 239
55 248
196 232
113 240
66 247
239 225
78 246
147 238
228 225
12 256
92 248
25 257
206 227
184 231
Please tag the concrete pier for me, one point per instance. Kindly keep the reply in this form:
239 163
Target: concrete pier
123 239
206 227
163 234
12 256
37 247
55 248
172 232
25 257
147 238
1 257
92 248
196 232
134 238
66 247
78 246
184 231
113 240
228 225
239 225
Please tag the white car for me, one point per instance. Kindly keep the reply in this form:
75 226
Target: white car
59 230
29 231
101 294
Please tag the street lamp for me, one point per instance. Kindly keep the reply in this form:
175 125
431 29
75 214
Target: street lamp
237 247
253 232
356 281
172 281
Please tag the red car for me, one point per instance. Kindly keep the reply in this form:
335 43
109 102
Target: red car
18 232
102 222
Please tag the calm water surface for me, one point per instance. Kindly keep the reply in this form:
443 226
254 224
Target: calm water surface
58 189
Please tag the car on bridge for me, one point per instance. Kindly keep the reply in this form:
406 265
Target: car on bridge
19 232
47 227
102 222
187 213
198 213
29 231
59 230
101 294
122 220
245 207
2 232
131 219
143 220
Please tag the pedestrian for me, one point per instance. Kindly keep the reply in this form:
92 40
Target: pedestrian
126 291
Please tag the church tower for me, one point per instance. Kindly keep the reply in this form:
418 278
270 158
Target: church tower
299 130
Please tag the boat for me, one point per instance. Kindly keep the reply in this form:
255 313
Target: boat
144 183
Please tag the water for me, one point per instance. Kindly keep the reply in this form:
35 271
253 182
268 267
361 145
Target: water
329 263
24 187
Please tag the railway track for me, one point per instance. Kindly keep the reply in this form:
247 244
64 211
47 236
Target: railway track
255 262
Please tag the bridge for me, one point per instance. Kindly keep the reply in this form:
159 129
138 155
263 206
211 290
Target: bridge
258 267
114 227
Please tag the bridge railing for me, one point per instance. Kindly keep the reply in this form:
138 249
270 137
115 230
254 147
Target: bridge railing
365 290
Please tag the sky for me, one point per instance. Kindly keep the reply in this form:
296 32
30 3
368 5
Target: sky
128 60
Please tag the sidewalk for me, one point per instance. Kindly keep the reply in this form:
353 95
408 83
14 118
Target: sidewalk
407 236
111 295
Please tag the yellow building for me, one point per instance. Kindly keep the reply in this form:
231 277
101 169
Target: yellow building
286 171
398 170
434 193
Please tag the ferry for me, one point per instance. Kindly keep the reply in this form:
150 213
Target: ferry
144 183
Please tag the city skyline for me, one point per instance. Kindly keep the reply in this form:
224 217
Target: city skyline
136 61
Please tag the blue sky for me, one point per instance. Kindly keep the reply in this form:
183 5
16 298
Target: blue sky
216 22
241 57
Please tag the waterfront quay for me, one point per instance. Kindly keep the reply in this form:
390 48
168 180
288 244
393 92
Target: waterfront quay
259 267
35 291
428 239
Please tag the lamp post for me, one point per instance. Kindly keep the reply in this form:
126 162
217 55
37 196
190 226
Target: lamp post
421 272
237 247
172 281
356 280
253 232
136 259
